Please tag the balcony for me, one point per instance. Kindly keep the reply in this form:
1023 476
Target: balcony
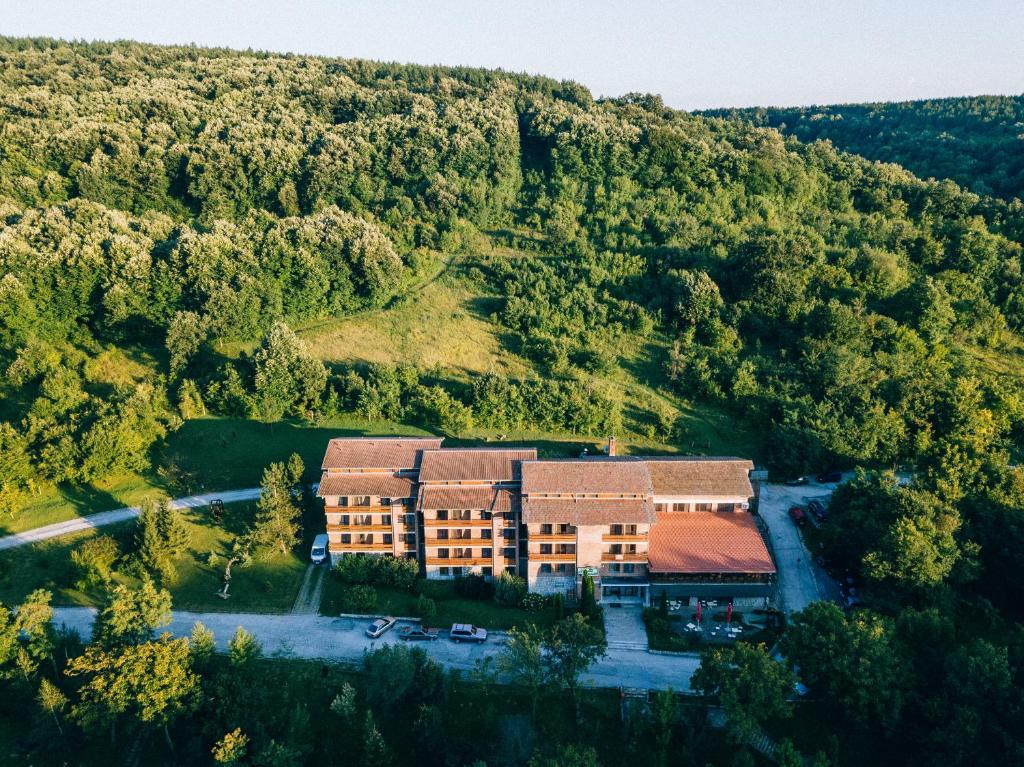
638 556
460 561
374 528
353 546
624 538
358 509
536 556
457 523
552 537
456 542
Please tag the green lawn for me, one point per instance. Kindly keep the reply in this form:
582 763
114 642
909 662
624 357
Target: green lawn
451 608
267 585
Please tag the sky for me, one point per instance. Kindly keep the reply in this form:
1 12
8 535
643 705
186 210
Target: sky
696 55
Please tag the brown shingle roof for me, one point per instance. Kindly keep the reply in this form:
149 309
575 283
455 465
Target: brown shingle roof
455 497
481 464
377 452
700 477
587 511
380 484
707 542
586 476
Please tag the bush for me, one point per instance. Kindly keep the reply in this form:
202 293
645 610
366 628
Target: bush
359 599
474 587
534 603
510 590
94 560
377 571
426 609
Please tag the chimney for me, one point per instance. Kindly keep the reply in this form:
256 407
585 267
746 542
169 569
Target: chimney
611 446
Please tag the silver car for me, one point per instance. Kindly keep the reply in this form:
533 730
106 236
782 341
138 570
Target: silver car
380 626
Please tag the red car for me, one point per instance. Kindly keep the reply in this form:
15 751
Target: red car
797 514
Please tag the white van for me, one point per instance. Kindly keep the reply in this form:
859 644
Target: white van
319 552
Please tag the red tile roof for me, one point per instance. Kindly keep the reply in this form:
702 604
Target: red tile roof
380 484
480 464
377 452
707 542
710 478
467 497
587 475
587 511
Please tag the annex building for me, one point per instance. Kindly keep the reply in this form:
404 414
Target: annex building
640 526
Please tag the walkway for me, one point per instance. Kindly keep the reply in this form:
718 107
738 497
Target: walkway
624 626
307 601
118 515
342 639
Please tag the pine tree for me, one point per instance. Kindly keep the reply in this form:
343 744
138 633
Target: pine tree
52 701
375 750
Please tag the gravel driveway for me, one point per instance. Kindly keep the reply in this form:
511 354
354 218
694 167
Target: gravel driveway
342 639
801 581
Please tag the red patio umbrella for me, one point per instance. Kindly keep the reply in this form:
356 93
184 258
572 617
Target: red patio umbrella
728 614
698 611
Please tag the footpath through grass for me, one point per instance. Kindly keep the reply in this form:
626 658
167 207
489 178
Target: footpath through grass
267 585
451 608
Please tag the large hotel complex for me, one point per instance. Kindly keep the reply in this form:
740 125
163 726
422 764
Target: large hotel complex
641 526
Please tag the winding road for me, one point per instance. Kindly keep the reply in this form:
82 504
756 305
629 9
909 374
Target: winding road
90 521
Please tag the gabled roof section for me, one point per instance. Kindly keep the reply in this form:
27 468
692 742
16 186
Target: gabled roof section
587 511
586 476
700 477
394 453
484 464
494 499
707 542
380 484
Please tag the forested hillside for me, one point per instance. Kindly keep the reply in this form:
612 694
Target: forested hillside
190 198
188 232
978 142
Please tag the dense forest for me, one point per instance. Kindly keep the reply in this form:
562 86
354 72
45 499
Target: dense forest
975 141
177 204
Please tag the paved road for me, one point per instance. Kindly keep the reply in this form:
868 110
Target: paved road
801 581
342 639
118 515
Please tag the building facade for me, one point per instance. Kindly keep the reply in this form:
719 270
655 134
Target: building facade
643 528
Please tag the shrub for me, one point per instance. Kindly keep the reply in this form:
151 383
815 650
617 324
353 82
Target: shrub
94 561
426 609
474 587
534 603
510 590
377 571
558 603
359 599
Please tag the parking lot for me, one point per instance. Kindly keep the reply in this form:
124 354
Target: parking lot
800 580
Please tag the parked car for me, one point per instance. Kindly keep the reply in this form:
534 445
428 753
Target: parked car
417 633
829 477
797 515
466 632
319 551
379 626
798 481
818 510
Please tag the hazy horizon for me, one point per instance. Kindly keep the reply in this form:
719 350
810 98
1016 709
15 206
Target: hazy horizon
694 57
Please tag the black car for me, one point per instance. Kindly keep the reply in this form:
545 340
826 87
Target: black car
797 481
816 509
829 477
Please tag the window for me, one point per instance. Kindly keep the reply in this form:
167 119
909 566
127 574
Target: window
565 548
388 537
545 529
457 572
510 552
385 519
615 529
683 507
442 553
613 568
658 507
484 515
344 519
442 515
410 519
486 534
545 548
727 507
463 515
565 569
703 507
565 530
629 529
509 533
442 571
545 568
511 569
463 553
346 538
485 553
410 537
628 569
